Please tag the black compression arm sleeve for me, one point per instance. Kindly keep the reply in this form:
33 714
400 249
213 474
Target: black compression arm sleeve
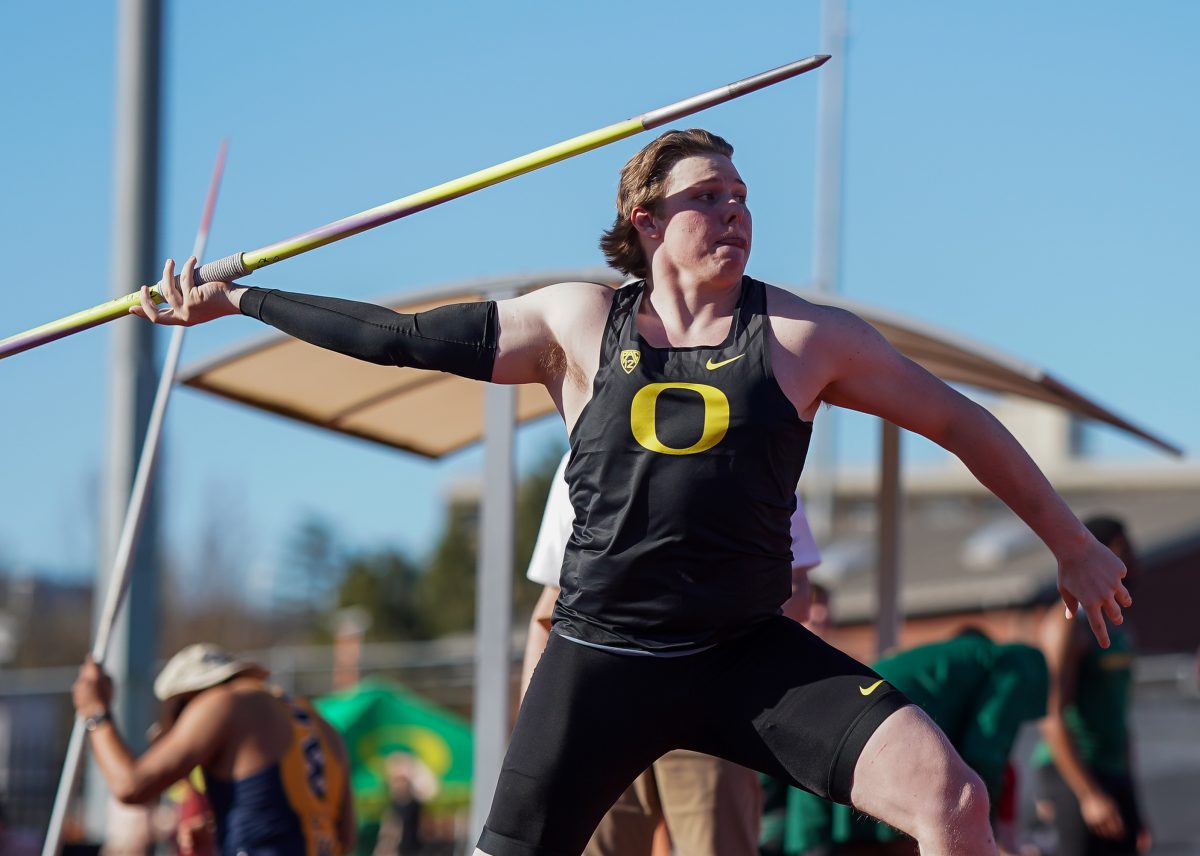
460 338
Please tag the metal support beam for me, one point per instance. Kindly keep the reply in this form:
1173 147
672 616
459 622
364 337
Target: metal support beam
819 487
493 600
890 508
133 377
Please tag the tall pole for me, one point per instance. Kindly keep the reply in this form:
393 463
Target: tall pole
889 617
827 245
493 599
132 378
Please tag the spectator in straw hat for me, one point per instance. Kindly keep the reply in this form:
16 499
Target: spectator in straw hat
274 771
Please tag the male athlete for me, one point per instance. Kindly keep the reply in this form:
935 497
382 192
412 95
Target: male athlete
275 773
688 398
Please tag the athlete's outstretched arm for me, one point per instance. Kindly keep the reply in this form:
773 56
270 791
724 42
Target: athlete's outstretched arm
506 341
190 742
864 372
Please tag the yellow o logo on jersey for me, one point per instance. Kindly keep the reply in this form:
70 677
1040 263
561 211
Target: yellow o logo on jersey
642 416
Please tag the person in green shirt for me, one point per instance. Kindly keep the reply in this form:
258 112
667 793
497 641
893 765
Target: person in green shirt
978 692
1084 761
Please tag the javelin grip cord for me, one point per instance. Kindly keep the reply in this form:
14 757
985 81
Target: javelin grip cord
221 270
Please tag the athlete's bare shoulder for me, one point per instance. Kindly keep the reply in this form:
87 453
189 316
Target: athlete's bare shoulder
577 313
212 712
797 322
811 344
559 306
577 302
544 333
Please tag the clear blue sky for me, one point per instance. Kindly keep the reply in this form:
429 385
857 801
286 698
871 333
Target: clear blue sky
1022 172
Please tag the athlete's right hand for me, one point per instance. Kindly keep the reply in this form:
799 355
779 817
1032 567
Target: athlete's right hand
1090 579
189 304
1101 815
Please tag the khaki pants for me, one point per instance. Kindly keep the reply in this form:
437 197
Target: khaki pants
711 808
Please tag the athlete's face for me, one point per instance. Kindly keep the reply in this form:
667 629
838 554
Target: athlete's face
702 226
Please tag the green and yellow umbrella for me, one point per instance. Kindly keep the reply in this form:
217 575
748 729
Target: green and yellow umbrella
377 718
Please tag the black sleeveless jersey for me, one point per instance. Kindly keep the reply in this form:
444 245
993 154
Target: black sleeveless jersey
682 475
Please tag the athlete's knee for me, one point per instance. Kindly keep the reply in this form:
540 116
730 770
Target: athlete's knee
970 800
957 807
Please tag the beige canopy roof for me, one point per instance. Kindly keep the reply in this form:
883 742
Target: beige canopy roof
304 382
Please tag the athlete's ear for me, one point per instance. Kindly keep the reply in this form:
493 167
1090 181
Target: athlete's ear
643 220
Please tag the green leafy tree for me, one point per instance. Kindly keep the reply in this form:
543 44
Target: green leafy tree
448 586
385 583
531 502
315 560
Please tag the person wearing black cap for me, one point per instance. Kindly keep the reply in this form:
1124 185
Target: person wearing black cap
274 771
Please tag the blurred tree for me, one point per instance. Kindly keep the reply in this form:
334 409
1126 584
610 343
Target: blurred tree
531 502
314 564
448 586
385 583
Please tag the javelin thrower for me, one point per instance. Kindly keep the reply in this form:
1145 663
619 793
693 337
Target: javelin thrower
688 396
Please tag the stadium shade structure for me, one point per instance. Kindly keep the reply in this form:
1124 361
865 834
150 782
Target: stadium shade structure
434 414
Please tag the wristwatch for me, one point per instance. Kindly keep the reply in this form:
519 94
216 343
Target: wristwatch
94 721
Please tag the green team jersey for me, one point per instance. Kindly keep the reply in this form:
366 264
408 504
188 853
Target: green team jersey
1098 717
978 692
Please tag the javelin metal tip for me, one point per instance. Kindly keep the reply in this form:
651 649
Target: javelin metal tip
688 106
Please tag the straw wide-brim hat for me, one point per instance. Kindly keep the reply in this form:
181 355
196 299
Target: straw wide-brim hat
198 667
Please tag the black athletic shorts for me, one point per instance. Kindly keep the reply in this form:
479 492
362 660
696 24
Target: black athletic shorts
778 700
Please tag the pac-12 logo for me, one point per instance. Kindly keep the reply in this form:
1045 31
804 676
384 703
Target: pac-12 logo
643 415
630 359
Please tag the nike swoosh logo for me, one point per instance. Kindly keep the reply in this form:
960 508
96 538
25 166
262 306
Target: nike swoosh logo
710 365
868 690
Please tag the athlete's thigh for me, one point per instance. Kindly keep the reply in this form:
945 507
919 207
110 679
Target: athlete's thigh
788 704
907 766
588 726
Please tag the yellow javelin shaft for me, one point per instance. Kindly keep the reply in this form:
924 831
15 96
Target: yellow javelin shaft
244 263
436 195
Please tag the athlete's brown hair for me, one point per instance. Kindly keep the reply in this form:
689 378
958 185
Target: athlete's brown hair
643 180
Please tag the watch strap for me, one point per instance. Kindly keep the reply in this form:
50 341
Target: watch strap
91 723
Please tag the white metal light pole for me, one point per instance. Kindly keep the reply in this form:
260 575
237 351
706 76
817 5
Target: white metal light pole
133 377
827 245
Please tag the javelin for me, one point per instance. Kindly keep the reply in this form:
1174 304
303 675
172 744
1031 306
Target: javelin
118 578
244 263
